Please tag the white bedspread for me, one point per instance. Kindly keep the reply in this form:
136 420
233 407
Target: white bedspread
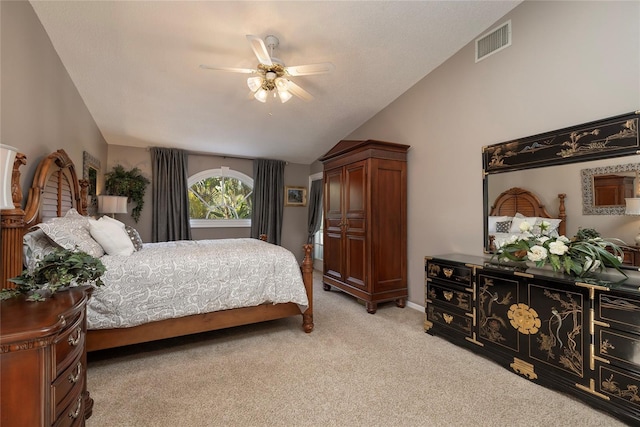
175 279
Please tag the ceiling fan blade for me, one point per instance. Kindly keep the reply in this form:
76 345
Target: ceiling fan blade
259 49
233 70
305 70
298 91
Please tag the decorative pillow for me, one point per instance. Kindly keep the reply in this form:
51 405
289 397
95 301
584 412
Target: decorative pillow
71 232
111 236
552 229
35 246
503 226
493 220
134 236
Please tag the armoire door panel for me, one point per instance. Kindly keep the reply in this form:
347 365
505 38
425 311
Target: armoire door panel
356 262
333 255
333 194
355 189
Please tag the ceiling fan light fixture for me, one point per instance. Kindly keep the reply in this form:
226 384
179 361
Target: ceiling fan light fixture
282 84
284 95
254 83
270 75
261 95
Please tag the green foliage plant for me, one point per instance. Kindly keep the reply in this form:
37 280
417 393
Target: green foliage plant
129 183
54 272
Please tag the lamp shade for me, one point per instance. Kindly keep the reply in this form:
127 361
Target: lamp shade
112 204
632 206
7 157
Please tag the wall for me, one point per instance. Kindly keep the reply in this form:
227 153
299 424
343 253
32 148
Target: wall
294 228
569 63
41 110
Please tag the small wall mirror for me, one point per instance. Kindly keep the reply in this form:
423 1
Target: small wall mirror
605 188
90 171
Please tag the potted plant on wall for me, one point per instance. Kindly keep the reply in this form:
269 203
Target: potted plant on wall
55 272
129 183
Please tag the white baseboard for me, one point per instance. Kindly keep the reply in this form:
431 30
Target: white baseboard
415 306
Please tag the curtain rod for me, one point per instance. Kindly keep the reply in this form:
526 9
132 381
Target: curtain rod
224 156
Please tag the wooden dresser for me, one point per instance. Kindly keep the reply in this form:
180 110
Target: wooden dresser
43 361
365 221
576 337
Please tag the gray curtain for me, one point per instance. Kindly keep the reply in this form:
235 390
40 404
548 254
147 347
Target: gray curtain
170 195
315 208
268 199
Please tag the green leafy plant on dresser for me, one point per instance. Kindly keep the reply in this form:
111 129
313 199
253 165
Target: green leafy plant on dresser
129 183
55 272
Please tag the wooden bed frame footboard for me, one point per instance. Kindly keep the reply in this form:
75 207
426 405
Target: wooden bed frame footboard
55 189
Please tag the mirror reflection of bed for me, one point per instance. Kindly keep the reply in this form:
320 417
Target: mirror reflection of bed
547 182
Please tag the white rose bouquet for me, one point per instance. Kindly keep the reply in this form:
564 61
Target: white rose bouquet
586 253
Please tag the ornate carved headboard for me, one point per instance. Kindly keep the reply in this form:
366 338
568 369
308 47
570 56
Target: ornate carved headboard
55 190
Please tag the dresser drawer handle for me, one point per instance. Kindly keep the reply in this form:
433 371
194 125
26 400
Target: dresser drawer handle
448 295
74 341
447 318
75 413
74 378
448 272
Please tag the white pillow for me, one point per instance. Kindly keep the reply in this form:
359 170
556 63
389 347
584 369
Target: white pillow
115 221
519 219
495 219
112 237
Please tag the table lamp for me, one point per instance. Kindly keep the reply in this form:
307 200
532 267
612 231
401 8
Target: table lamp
112 205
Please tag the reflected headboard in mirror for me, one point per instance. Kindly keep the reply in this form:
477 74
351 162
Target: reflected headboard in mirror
608 138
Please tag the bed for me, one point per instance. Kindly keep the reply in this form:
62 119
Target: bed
516 205
194 286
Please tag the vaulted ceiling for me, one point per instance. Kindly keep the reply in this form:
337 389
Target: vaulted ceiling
136 64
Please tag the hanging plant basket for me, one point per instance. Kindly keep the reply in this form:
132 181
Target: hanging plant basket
132 184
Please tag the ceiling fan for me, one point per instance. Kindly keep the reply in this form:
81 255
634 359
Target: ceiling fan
272 76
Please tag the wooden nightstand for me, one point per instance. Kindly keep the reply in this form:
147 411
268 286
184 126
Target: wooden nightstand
43 360
631 255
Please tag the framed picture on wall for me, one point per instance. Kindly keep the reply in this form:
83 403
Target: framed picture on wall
295 196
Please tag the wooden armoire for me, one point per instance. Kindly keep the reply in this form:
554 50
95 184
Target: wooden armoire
365 221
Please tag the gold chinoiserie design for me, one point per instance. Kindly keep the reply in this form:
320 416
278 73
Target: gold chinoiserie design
523 368
524 319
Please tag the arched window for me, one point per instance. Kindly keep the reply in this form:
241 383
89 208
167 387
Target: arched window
220 198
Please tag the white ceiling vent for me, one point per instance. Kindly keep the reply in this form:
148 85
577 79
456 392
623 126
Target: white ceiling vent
493 41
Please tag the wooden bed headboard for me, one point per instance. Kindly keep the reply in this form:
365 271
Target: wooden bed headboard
516 199
54 191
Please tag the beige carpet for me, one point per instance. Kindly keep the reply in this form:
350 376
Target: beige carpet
355 369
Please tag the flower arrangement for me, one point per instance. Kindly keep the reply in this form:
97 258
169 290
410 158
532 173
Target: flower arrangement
586 253
54 272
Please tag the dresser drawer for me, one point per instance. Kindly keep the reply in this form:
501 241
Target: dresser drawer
618 311
450 319
442 294
618 347
457 274
67 387
73 414
68 345
622 387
